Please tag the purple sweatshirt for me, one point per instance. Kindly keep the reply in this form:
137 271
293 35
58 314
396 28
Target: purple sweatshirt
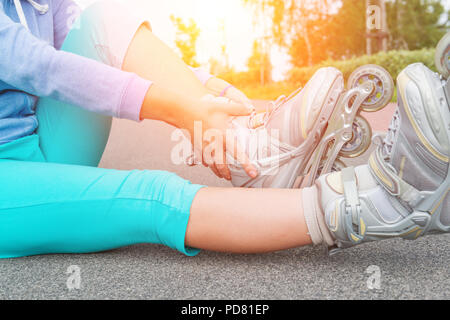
31 66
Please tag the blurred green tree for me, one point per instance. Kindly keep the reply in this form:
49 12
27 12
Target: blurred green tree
416 24
259 64
313 31
186 39
336 30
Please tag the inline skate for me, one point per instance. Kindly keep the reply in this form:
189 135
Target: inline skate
404 189
349 135
315 128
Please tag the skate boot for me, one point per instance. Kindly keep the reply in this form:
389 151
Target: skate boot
304 135
404 190
279 141
443 56
349 135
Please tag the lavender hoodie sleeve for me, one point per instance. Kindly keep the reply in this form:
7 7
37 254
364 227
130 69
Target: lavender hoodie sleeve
35 67
64 12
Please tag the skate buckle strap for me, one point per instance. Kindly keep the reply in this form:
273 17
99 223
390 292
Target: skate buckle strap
352 214
393 183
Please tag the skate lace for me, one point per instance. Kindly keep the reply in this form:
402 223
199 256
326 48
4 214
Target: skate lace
257 120
388 142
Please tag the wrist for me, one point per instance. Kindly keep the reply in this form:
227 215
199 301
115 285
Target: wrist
190 110
163 105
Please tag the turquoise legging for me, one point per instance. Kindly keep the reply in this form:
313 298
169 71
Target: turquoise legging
53 198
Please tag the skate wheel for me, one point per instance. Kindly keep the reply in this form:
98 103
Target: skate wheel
360 141
383 83
442 58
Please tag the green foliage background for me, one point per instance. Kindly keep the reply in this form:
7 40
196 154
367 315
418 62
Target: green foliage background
393 61
186 40
319 33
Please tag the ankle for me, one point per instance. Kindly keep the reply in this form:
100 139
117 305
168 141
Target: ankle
314 216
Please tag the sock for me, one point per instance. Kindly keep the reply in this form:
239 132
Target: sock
314 216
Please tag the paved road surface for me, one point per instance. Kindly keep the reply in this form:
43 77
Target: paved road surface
409 270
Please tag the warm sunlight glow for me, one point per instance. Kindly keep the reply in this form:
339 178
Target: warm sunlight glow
221 22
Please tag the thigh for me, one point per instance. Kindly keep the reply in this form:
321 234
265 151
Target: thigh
69 134
54 208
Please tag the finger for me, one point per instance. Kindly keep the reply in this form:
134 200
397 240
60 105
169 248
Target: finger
243 159
238 153
207 160
233 109
219 160
224 171
239 97
227 168
216 171
246 102
223 167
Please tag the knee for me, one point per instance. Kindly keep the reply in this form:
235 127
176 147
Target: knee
112 27
170 190
111 14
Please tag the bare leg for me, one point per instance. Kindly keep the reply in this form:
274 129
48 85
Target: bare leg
151 59
247 220
227 220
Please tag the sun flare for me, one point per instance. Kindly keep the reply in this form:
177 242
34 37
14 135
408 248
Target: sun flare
222 22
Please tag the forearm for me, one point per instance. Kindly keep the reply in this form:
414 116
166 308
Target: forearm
161 104
166 105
